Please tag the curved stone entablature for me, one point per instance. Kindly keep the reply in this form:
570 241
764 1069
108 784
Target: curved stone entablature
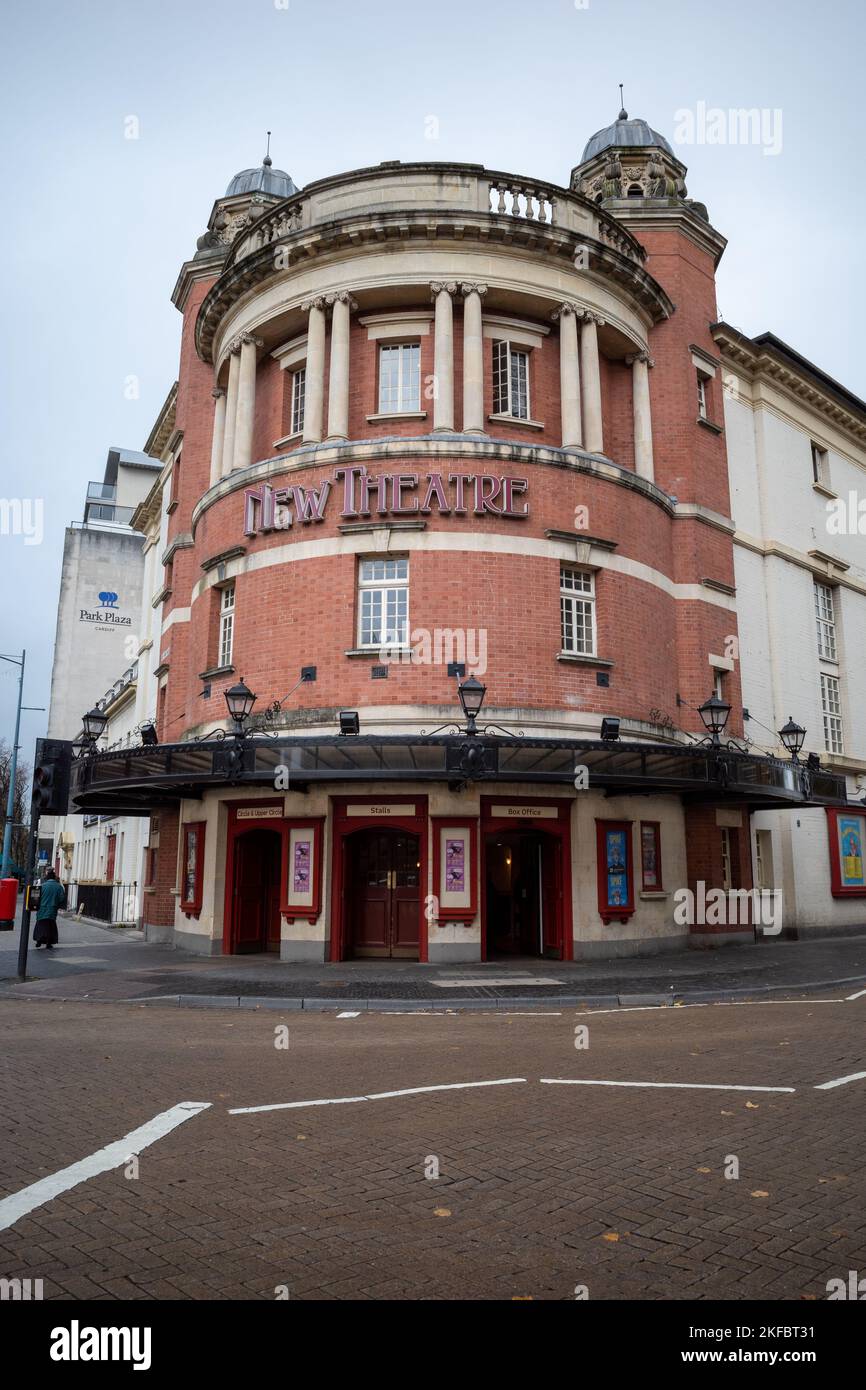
426 207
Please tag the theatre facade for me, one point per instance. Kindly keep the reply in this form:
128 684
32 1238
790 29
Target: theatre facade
448 653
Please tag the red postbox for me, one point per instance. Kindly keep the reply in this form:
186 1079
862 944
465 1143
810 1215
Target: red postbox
8 903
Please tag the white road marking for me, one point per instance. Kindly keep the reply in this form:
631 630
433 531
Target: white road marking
858 995
505 981
662 1085
350 1015
112 1156
715 1004
841 1081
377 1095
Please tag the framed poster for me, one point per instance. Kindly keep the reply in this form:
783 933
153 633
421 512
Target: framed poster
614 861
192 868
303 871
847 833
651 856
455 876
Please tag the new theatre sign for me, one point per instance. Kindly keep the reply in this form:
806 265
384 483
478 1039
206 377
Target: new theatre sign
366 494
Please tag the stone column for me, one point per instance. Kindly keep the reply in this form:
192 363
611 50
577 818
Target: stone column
569 374
219 427
443 355
338 376
231 408
473 359
640 363
593 439
314 385
246 412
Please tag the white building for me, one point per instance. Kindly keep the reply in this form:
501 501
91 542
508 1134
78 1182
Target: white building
797 459
129 514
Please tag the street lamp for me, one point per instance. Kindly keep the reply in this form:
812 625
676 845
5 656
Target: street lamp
240 700
93 724
793 736
714 713
471 694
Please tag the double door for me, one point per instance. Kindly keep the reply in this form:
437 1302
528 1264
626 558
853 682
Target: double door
382 892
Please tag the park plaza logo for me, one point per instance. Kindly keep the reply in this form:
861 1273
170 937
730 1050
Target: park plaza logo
389 494
106 614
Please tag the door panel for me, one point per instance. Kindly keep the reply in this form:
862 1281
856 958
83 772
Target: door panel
257 859
383 891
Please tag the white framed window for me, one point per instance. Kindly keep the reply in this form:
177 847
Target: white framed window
820 465
825 619
227 625
399 378
831 708
718 683
383 603
703 408
577 611
727 876
299 391
510 380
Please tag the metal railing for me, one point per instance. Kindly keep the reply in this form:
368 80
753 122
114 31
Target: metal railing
117 903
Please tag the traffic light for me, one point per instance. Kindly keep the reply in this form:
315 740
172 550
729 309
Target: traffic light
51 776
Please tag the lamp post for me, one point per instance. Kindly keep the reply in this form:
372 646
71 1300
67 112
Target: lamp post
240 700
471 694
793 736
714 714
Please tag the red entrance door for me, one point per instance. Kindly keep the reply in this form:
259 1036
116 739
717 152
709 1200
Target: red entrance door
256 891
383 883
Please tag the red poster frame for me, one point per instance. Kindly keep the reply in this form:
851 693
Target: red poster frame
837 888
311 913
191 907
342 827
470 823
626 909
657 887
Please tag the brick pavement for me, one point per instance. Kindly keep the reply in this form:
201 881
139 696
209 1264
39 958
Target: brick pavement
537 1180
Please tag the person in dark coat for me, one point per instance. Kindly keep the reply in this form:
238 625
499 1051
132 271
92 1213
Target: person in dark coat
51 898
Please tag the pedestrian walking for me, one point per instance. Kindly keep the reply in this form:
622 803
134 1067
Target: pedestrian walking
51 899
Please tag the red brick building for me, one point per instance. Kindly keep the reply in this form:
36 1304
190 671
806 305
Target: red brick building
445 428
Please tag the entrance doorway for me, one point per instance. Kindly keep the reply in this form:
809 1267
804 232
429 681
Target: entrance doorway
383 882
521 869
256 891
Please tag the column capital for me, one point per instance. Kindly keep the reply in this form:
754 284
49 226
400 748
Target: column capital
317 302
341 297
568 306
437 286
250 338
590 316
234 347
217 392
639 357
468 287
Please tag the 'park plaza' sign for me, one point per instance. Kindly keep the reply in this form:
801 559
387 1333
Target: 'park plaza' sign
269 508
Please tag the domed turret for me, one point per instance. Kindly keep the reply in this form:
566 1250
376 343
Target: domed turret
628 160
625 133
275 183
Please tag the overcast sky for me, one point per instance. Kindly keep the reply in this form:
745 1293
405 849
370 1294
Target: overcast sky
95 226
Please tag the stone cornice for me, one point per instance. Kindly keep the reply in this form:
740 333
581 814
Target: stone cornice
828 568
668 214
759 361
164 426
